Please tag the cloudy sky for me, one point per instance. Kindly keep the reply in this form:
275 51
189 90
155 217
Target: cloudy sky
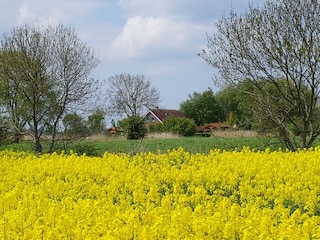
157 38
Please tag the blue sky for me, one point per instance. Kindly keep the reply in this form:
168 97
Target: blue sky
157 38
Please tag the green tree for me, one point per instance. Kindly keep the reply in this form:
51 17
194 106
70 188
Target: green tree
75 126
289 116
96 122
279 41
202 108
134 127
182 126
5 134
46 70
236 106
12 109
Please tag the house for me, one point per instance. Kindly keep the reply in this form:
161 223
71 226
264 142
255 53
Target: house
114 130
216 125
207 129
157 115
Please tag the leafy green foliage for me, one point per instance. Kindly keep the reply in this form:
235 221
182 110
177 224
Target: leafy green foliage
95 122
134 127
39 85
83 147
236 104
74 125
178 125
202 108
4 135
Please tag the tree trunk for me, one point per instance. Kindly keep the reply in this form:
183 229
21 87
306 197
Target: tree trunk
16 137
37 145
36 136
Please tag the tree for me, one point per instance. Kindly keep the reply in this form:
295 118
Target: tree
11 109
134 126
49 70
131 95
182 126
202 108
75 126
96 122
278 44
4 134
236 106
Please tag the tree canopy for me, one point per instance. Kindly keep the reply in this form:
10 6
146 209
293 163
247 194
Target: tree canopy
44 71
278 44
236 106
202 108
134 127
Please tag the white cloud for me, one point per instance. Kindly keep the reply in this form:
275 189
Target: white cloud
42 11
54 11
158 38
144 35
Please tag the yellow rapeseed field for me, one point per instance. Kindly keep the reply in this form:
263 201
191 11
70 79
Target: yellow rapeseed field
174 195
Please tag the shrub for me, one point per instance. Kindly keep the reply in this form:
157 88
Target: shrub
134 127
182 126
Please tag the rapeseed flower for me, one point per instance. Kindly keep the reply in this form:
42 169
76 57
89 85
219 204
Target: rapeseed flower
173 195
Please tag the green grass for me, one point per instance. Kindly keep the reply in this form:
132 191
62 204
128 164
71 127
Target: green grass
190 144
24 146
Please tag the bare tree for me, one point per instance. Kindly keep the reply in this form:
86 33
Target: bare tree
49 68
276 49
131 94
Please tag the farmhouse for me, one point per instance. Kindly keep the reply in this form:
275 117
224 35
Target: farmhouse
207 129
214 126
114 130
157 115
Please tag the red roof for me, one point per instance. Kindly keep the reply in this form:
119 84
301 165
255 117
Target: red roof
162 114
214 125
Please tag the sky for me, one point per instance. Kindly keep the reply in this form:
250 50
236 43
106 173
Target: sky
156 38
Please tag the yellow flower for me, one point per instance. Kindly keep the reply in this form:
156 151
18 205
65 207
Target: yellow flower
173 195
